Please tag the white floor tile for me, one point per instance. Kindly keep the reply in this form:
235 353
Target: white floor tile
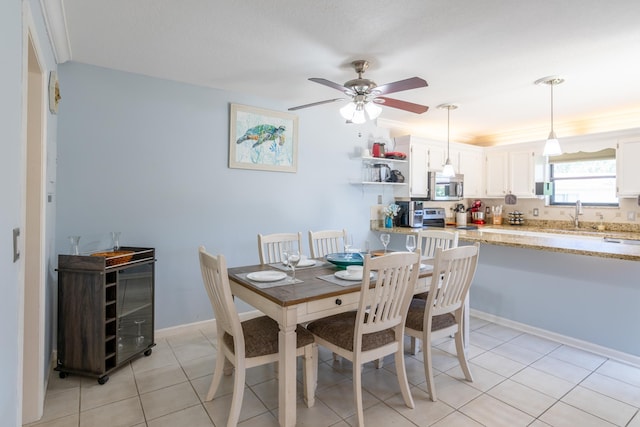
561 369
498 364
578 357
457 419
522 397
535 343
124 413
543 382
495 413
597 404
613 388
620 371
563 415
167 400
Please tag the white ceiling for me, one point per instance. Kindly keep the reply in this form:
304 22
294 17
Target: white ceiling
481 54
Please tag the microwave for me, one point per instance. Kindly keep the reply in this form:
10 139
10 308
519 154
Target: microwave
445 187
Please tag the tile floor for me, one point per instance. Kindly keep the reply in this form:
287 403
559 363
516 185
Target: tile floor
519 380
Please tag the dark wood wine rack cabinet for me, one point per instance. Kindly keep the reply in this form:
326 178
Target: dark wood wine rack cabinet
105 311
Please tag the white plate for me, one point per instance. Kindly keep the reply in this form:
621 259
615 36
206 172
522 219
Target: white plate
344 275
266 276
306 263
425 267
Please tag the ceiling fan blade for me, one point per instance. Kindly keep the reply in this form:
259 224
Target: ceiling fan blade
332 85
401 105
400 85
313 104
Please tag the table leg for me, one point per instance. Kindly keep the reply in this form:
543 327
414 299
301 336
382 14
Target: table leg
287 375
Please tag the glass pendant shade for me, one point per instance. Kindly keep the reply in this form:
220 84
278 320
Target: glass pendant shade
448 170
552 146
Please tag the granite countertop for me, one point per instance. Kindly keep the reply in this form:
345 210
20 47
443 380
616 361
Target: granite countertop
582 242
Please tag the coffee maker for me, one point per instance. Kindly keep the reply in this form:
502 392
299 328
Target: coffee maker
411 214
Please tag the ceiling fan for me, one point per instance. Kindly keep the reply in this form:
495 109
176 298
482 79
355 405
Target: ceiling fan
366 95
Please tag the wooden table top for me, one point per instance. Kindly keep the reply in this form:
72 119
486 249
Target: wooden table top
312 288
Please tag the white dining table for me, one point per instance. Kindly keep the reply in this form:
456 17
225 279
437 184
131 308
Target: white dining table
313 298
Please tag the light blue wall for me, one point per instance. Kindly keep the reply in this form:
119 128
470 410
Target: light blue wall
588 298
10 213
148 157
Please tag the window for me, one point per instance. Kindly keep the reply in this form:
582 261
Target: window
588 177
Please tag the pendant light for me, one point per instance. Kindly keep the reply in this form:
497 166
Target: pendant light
448 167
552 146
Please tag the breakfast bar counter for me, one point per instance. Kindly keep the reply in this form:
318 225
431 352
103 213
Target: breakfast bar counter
602 244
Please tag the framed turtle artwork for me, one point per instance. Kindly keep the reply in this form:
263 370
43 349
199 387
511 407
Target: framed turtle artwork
263 139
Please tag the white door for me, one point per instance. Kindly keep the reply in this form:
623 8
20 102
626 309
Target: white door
33 351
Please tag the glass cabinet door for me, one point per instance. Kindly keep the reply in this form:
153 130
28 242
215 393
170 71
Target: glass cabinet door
134 310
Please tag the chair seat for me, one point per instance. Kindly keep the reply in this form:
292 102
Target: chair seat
415 317
423 295
339 329
261 337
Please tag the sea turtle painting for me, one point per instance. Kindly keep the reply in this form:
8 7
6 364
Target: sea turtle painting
262 133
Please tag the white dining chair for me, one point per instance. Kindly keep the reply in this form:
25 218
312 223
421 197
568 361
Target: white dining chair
326 242
270 246
250 343
376 328
442 313
428 241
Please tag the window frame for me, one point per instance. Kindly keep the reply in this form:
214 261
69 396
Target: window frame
576 158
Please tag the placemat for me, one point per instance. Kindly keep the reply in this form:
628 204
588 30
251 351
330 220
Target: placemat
281 266
340 282
264 285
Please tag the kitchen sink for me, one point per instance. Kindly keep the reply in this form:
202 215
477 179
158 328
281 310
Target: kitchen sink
623 241
529 233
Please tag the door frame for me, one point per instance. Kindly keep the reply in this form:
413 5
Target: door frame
33 268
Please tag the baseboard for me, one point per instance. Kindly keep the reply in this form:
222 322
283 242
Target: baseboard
610 353
192 327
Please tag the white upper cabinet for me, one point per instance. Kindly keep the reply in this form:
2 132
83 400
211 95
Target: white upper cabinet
468 160
437 156
418 156
510 172
628 172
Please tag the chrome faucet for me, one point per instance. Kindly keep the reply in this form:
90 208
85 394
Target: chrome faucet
576 221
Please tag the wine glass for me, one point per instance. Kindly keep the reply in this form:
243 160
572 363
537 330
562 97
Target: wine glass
293 258
411 243
75 245
385 238
140 337
115 240
348 243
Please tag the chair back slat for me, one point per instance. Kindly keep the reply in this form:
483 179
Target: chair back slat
270 246
326 242
385 301
457 267
216 283
429 240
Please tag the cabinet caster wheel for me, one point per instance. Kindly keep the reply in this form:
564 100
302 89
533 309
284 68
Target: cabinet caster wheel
103 380
63 375
148 352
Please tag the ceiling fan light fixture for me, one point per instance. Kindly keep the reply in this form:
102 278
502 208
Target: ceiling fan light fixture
373 111
347 111
358 115
552 146
448 169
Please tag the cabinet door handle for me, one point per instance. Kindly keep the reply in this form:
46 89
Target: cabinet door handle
338 301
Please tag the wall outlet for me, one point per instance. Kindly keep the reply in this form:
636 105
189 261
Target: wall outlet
536 212
631 216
